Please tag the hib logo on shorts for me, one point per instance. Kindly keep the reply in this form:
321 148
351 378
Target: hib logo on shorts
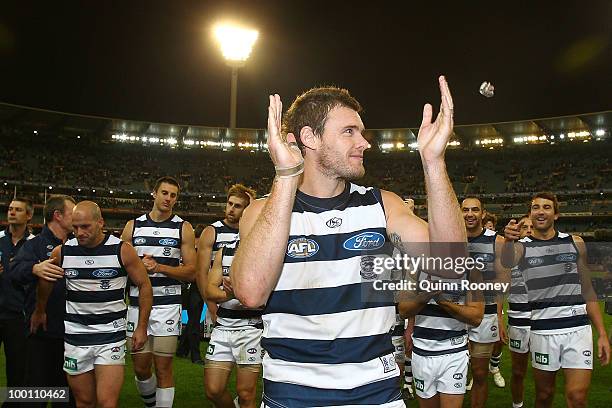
71 273
366 241
566 258
419 384
535 261
130 326
70 363
516 344
211 349
168 242
105 273
541 358
302 248
140 241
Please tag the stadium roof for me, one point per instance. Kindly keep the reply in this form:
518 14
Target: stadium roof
46 121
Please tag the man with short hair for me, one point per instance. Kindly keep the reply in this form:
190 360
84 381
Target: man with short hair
12 297
301 251
45 347
484 244
519 323
235 339
166 244
96 268
562 302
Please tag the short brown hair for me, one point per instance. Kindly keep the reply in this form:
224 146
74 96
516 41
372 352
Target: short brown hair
28 204
242 191
547 195
169 180
490 217
56 202
311 109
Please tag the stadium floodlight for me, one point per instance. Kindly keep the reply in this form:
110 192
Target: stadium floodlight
236 45
600 132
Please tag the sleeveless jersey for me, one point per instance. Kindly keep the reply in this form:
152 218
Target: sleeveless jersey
553 284
519 314
483 247
325 344
95 293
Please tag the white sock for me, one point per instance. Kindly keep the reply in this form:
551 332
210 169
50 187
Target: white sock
517 404
165 397
146 389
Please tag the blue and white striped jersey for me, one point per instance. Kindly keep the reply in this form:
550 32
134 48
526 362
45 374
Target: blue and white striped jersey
95 293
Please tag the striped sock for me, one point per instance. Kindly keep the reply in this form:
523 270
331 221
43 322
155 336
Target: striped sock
147 389
494 362
408 372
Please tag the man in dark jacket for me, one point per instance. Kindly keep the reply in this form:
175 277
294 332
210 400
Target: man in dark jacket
45 348
12 324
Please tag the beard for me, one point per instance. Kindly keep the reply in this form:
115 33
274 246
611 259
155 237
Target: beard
334 165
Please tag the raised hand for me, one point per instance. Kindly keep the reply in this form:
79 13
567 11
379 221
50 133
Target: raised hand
512 231
285 153
433 137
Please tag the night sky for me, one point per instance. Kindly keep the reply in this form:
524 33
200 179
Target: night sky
157 60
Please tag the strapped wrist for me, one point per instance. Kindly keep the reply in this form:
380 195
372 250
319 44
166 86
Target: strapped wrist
288 172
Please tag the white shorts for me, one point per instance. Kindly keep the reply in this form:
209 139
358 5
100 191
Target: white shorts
487 332
80 359
440 374
165 320
550 352
238 346
518 339
400 347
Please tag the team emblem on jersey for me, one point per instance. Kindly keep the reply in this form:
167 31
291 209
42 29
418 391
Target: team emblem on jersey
89 262
457 341
334 222
168 242
367 267
388 363
366 241
302 248
535 261
566 258
105 273
140 241
167 251
105 284
71 273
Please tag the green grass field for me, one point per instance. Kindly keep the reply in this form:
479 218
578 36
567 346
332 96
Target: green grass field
190 391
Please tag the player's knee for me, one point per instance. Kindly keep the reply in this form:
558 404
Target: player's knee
518 373
545 394
479 373
107 402
213 391
142 372
577 398
85 401
247 394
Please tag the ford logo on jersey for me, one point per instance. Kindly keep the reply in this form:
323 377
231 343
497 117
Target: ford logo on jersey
366 241
168 242
140 241
566 258
535 261
105 273
302 248
71 273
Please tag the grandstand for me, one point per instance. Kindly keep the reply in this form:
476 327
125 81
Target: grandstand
114 162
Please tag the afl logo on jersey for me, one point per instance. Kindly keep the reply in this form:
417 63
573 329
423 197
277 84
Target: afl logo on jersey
302 248
105 273
366 241
535 261
168 242
566 258
140 241
71 273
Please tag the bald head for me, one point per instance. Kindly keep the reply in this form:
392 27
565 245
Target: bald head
89 210
87 223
